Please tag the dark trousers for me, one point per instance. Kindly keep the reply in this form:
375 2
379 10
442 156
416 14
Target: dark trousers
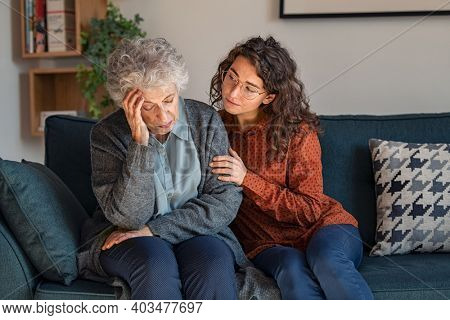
327 270
201 268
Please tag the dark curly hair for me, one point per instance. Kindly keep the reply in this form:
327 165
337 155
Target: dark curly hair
278 71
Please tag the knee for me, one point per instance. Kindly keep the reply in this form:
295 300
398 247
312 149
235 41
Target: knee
207 269
155 260
291 263
334 246
326 261
219 261
208 260
293 275
218 264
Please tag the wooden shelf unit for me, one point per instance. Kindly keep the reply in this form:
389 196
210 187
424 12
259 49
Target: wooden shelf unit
57 89
53 89
84 11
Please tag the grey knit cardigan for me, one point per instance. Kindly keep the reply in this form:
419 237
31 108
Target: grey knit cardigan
118 164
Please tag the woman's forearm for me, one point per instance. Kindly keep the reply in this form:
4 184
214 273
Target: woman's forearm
124 188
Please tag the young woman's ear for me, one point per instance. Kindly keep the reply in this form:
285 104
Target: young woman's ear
269 98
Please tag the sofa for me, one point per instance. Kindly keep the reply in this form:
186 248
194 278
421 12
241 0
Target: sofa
348 177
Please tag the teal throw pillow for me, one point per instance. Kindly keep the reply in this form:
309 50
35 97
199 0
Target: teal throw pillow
44 216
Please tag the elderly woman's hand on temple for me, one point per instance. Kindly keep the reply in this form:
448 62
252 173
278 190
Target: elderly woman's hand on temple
132 104
118 236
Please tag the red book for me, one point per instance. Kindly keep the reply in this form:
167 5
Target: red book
40 26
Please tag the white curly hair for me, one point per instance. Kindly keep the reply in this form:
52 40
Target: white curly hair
144 63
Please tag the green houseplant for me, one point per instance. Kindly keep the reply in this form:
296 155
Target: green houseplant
101 39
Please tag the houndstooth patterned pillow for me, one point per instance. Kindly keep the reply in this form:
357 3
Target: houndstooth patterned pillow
413 197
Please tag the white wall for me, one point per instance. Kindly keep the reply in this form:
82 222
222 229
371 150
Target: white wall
408 74
15 141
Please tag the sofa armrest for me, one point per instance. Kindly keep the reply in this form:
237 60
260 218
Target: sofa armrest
18 277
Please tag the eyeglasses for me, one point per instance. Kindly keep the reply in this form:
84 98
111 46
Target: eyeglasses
231 80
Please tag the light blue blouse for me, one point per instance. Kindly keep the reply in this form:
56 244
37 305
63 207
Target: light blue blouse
177 167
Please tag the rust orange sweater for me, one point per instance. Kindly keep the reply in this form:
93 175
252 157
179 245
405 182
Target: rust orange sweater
283 201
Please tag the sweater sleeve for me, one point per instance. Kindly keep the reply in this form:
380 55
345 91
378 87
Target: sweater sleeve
213 209
122 179
300 201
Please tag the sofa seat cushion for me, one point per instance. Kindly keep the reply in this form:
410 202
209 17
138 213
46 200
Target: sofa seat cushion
413 276
78 290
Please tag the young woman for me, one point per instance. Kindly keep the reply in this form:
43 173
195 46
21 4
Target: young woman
292 231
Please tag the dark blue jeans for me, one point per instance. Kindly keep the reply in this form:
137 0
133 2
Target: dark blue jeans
201 268
328 269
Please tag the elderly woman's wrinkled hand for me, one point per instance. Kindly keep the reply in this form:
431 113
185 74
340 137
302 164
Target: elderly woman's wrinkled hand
118 236
230 168
132 104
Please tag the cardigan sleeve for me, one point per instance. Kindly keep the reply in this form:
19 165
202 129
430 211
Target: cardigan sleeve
214 208
300 201
122 179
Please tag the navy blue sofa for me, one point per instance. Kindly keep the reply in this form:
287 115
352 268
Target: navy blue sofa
347 173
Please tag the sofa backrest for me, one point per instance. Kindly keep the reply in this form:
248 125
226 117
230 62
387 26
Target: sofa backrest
347 166
67 153
346 159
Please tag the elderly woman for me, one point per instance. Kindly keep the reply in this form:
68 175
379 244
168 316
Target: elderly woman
162 225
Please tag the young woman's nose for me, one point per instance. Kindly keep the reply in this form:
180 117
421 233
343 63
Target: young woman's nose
235 91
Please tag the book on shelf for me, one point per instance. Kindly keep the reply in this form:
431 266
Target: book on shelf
40 31
46 114
29 36
61 25
49 25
